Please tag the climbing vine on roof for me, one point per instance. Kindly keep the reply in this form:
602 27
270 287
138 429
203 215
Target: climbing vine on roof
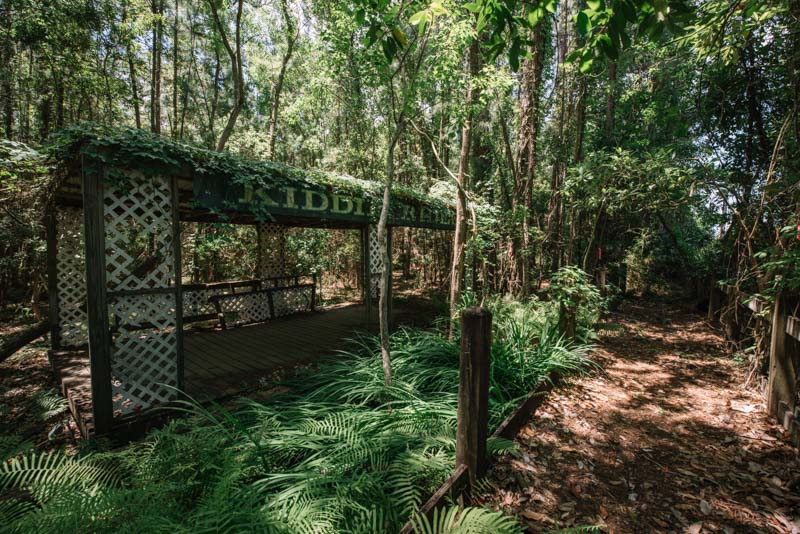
129 148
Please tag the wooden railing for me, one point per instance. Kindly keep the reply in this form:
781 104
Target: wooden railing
263 304
784 348
197 304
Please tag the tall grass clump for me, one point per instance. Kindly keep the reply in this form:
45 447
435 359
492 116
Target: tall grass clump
335 450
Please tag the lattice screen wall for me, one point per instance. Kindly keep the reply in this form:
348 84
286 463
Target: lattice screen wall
375 261
293 300
271 250
73 324
139 259
195 301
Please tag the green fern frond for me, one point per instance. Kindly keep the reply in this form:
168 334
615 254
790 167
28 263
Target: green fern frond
456 520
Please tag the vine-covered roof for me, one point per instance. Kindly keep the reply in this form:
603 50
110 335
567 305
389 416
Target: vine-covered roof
222 174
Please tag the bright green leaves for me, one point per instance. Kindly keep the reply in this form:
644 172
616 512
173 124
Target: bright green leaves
583 23
595 5
426 16
606 28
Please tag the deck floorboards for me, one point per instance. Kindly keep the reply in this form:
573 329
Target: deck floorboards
224 363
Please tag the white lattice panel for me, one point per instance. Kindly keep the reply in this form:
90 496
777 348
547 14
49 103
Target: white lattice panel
136 311
292 300
143 365
143 356
73 323
195 301
271 250
375 261
245 308
139 256
138 232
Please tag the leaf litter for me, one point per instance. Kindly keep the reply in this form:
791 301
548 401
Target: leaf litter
664 439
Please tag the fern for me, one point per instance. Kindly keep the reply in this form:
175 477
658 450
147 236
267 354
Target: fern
455 520
334 451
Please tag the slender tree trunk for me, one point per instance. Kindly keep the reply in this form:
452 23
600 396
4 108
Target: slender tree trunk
460 233
132 73
7 71
611 101
555 215
175 43
386 256
527 156
292 34
235 54
157 9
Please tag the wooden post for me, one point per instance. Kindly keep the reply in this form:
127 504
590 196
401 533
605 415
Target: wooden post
782 372
177 268
97 302
366 273
473 391
52 278
389 294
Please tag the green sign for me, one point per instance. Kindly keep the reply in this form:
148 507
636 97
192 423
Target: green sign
301 202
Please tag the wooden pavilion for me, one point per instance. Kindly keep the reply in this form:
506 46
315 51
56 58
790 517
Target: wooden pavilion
118 303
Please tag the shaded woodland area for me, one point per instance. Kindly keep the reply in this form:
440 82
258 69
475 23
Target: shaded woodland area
591 152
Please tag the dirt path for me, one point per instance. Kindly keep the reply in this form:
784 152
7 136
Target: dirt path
663 440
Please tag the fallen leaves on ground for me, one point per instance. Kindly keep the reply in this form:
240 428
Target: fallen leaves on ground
665 439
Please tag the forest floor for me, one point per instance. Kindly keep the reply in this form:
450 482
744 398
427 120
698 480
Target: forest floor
663 439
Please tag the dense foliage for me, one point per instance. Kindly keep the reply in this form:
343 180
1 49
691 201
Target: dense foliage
333 449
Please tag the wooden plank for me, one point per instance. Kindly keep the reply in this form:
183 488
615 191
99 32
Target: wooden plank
782 371
97 302
509 428
454 483
793 327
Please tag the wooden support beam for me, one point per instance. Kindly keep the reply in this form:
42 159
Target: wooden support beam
389 292
793 327
178 283
96 301
52 278
367 289
782 370
473 391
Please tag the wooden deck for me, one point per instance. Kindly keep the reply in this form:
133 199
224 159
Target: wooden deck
220 364
223 363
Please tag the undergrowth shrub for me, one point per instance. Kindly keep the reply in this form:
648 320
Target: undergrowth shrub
336 450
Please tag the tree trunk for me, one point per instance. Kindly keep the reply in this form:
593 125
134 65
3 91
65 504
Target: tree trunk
383 241
157 9
175 43
132 75
292 34
235 55
6 72
611 101
460 233
529 114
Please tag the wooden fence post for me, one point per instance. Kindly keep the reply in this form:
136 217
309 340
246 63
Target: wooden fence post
473 391
782 374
